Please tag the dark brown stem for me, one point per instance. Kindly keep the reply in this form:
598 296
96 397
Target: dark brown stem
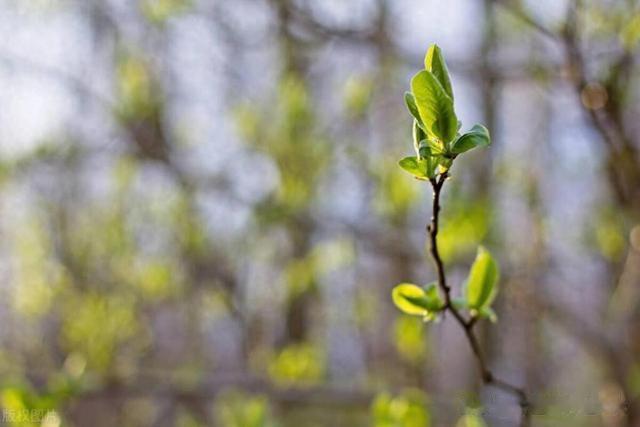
467 324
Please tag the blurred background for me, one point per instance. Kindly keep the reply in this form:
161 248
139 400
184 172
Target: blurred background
201 214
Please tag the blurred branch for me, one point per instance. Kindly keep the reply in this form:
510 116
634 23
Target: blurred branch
467 325
324 30
623 166
517 10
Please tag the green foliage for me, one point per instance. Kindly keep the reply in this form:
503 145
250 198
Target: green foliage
159 11
139 95
409 409
437 144
410 100
38 278
358 91
436 139
97 325
418 137
412 299
607 232
23 406
302 273
481 286
471 419
435 106
237 409
434 62
396 194
409 338
478 136
297 364
288 134
421 168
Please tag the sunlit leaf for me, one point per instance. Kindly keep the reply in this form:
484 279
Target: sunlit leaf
488 313
434 301
436 147
481 287
410 101
418 137
478 136
410 299
434 62
435 106
424 150
421 168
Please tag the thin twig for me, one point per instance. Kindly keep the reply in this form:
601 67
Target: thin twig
467 325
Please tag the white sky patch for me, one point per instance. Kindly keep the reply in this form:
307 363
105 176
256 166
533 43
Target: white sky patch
32 110
35 49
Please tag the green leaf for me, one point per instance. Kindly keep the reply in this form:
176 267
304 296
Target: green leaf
424 150
410 100
414 300
481 286
434 300
410 299
421 168
436 148
418 136
435 106
434 62
488 313
478 136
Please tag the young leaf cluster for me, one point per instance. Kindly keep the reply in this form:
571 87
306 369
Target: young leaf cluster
436 137
479 292
437 142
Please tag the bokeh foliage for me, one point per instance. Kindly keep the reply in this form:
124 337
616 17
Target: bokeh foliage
202 215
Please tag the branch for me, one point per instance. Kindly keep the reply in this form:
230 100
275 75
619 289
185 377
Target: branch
516 10
467 325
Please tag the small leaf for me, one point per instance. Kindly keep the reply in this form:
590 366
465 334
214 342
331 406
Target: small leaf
435 106
432 151
488 313
418 136
481 286
435 147
434 300
434 62
410 299
478 136
410 100
424 150
421 168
